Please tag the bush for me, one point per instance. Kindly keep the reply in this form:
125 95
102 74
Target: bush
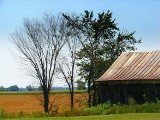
152 107
2 113
108 108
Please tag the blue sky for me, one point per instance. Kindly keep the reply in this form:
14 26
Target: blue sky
141 16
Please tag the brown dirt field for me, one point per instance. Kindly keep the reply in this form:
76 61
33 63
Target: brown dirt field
29 103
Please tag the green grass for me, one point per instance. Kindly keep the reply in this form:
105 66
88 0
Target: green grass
39 92
135 116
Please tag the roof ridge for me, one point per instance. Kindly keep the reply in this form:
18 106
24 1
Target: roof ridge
142 51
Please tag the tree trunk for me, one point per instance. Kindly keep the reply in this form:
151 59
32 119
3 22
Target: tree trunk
89 90
91 80
46 101
89 97
72 84
71 89
94 94
72 99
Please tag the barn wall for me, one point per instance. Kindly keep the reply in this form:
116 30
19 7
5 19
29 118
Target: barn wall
121 92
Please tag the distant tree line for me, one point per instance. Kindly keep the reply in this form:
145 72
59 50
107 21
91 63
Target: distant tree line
80 86
11 88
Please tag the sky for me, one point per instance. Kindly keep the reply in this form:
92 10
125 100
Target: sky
141 16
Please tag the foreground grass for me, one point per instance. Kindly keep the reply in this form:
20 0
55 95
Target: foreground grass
133 116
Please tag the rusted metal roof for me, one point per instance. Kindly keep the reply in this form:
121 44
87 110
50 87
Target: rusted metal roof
134 66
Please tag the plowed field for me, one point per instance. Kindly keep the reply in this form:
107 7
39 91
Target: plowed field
30 103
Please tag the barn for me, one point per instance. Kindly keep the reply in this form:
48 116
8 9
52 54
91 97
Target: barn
133 74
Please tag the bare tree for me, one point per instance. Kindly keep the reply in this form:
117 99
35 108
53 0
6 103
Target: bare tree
67 66
39 42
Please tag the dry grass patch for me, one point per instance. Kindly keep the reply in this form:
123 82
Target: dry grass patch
28 103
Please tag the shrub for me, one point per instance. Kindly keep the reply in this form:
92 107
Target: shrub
2 113
152 107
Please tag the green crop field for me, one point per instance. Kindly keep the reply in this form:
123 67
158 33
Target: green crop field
135 116
39 92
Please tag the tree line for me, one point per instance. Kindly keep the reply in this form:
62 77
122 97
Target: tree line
80 86
11 88
71 47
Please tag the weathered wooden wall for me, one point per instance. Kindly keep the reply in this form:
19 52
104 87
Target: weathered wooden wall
141 92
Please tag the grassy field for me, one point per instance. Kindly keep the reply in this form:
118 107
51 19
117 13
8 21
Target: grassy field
137 116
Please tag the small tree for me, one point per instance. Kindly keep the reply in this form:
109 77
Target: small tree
2 88
39 42
29 88
13 88
67 66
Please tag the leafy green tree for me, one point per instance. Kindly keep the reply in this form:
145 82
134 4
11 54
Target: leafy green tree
102 43
2 88
29 88
39 88
13 88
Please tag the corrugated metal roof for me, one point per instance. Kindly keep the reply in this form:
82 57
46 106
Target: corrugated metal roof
134 66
